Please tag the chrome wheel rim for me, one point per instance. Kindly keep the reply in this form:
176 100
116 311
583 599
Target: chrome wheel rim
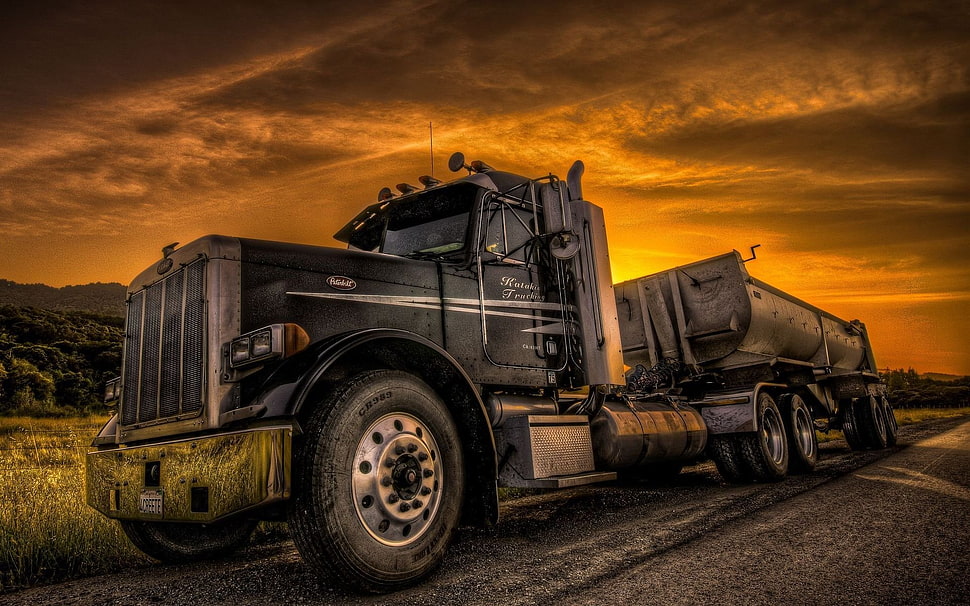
804 431
397 479
773 435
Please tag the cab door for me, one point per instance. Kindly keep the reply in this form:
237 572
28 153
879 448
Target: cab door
519 300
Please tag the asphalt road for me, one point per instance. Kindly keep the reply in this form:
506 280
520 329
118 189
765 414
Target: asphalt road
866 528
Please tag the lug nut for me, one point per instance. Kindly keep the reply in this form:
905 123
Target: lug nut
393 498
386 481
405 507
428 473
425 490
390 463
416 503
422 456
412 447
399 449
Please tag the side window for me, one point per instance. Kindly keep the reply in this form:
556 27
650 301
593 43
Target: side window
509 231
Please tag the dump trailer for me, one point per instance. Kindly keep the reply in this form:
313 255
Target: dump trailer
761 366
468 337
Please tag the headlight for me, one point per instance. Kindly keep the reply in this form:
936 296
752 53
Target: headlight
239 351
262 344
275 341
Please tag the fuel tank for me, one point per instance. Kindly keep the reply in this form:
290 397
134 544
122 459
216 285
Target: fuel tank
714 315
634 434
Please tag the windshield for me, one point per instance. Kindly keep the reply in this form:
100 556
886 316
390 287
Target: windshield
434 237
433 222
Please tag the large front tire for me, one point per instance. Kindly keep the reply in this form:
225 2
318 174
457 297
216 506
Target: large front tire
185 542
378 483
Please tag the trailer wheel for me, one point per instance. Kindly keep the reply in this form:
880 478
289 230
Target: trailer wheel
872 422
183 542
892 428
802 441
765 452
850 424
723 449
378 483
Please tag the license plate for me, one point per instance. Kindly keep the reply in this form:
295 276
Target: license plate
150 501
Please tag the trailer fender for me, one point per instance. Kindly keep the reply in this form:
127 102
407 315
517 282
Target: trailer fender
306 377
734 412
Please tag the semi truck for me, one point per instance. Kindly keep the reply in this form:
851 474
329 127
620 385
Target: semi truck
468 338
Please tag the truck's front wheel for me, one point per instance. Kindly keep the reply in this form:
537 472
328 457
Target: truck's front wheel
181 542
378 482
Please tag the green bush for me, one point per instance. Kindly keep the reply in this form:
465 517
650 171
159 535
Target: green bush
55 363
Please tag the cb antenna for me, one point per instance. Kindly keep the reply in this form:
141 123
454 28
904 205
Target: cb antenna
431 135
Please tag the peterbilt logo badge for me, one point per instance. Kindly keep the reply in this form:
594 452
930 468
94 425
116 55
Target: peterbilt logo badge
163 266
341 283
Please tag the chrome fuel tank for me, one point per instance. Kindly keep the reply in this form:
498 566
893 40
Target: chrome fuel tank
635 434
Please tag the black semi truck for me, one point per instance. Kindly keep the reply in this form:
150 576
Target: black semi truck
469 337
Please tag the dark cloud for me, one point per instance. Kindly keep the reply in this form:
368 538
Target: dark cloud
54 53
931 136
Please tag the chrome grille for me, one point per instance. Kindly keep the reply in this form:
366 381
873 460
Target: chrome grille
164 359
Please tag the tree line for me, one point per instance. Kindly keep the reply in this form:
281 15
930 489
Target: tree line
909 389
55 363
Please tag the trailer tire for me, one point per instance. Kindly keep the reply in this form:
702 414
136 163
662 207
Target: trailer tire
186 542
802 441
892 428
723 450
378 483
765 452
872 422
850 425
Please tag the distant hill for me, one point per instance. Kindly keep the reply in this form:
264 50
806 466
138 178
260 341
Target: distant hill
98 298
939 376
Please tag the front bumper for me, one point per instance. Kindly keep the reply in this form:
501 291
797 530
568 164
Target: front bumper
192 480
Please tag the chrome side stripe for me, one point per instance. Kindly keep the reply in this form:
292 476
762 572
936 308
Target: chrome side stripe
450 304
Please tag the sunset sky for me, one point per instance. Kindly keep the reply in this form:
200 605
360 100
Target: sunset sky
834 134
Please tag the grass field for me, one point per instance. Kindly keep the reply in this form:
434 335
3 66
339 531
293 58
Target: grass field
48 533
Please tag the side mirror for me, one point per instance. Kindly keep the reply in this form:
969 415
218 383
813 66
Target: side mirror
555 208
558 220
